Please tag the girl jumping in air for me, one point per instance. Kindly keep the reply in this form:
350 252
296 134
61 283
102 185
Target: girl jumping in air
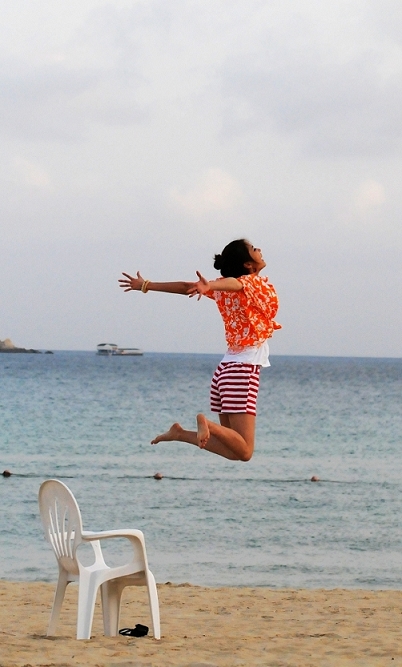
248 304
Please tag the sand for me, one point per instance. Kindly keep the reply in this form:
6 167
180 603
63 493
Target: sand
210 627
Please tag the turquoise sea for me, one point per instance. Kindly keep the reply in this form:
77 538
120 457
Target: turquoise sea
88 421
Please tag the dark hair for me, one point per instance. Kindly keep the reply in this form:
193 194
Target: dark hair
232 259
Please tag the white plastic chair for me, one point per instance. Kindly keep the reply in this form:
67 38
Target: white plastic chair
61 519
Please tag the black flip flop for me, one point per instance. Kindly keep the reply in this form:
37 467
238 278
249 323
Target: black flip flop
138 631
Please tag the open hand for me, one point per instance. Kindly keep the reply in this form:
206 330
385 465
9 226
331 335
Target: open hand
129 283
200 287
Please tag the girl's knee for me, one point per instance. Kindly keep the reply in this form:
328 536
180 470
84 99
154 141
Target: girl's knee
247 454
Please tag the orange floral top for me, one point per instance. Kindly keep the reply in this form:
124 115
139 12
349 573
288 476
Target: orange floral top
248 315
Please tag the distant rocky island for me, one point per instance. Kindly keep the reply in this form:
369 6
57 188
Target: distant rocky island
8 346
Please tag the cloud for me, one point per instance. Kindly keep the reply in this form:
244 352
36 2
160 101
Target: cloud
37 102
52 101
339 97
32 174
162 120
369 195
215 191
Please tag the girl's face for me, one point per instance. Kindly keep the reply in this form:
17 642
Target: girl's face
257 263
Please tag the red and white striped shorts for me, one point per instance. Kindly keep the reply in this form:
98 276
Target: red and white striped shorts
234 388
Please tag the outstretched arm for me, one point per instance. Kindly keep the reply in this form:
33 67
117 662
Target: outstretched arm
129 283
222 285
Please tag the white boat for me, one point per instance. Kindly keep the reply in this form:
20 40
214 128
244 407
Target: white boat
106 349
111 349
128 351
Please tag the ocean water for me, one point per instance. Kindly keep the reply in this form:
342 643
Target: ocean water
88 421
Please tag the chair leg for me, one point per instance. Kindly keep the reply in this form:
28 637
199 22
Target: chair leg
153 604
86 604
57 602
111 596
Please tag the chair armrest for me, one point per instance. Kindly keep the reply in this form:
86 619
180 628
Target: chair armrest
135 537
128 533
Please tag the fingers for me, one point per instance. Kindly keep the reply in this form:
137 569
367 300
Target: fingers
199 288
201 278
193 291
129 282
124 282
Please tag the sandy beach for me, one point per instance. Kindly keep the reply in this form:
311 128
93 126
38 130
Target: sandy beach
210 627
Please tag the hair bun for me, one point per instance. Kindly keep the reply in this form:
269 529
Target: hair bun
218 262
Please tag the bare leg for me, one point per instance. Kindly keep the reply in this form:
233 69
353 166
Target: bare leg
203 432
236 433
233 438
179 434
176 433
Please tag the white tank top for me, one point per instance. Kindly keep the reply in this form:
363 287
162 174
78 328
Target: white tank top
258 356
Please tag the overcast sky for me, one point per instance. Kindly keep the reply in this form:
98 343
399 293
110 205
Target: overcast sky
148 134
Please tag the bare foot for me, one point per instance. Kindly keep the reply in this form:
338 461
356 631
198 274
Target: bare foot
173 433
203 433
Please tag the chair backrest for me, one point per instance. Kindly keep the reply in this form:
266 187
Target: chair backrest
62 523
